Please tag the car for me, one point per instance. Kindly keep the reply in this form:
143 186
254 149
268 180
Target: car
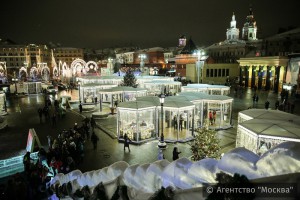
62 86
51 90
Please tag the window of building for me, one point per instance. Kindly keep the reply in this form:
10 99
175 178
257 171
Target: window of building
207 72
216 73
211 72
223 72
227 72
219 73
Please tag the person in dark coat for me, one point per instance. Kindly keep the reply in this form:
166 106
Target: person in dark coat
276 105
80 108
176 153
126 142
267 103
40 111
94 139
93 123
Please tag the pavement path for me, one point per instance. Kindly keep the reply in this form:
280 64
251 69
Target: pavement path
23 115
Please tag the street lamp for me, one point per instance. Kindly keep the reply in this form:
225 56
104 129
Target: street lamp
15 80
201 57
110 65
142 63
79 83
162 144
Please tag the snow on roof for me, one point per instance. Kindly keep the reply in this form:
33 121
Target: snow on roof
185 175
136 104
271 114
272 127
205 96
206 86
123 89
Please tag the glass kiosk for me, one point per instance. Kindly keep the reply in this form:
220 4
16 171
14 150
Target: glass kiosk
138 120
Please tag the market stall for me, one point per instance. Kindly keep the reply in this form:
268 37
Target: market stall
208 89
260 135
266 114
178 120
3 108
137 119
214 110
157 87
120 94
89 92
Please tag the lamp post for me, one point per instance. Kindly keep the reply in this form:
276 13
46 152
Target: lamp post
15 80
201 57
110 66
79 83
162 144
142 63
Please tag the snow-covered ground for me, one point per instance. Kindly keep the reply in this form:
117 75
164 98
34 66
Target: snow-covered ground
183 175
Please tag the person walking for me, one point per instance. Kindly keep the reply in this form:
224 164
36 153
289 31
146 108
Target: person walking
276 105
40 111
210 116
176 153
95 140
126 142
267 103
253 98
93 123
256 101
214 117
80 108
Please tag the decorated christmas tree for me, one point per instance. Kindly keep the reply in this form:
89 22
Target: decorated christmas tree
129 80
206 144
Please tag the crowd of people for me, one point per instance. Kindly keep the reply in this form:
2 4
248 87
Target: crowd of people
65 152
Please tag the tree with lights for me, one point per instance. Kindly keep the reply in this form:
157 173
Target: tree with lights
129 80
206 144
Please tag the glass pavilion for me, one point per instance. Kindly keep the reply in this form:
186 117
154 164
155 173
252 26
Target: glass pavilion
208 89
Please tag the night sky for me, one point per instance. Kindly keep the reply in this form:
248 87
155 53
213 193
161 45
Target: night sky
142 23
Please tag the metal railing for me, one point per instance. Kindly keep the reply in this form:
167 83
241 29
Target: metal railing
14 165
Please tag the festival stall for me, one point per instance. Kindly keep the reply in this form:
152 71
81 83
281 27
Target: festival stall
89 92
266 114
208 89
260 135
157 87
260 129
3 109
121 93
137 119
177 117
218 107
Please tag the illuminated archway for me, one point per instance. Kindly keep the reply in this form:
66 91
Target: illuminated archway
45 73
78 67
23 73
3 72
55 72
34 73
91 67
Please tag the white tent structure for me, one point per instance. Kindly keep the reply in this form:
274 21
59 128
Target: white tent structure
259 130
185 177
131 114
266 114
204 103
121 93
207 88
